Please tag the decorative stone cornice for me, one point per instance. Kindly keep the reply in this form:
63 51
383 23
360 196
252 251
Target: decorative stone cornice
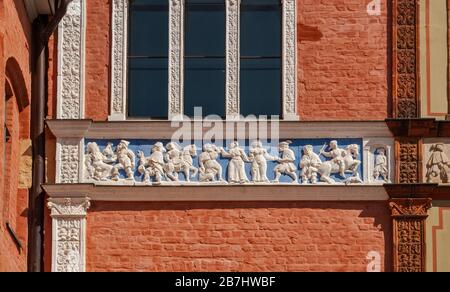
272 193
418 128
165 129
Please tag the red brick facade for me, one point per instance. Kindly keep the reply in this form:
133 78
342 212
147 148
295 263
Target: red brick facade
15 84
342 61
271 236
343 74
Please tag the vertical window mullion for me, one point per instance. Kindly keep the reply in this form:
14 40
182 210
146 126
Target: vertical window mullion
176 58
232 58
289 62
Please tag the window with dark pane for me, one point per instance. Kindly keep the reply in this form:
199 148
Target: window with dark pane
204 77
260 77
148 58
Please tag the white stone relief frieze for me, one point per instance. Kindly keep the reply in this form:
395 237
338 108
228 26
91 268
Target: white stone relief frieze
436 161
309 165
71 42
342 161
259 156
180 160
285 163
209 169
301 161
381 170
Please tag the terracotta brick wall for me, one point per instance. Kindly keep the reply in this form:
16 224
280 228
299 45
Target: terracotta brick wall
342 60
15 33
98 59
302 236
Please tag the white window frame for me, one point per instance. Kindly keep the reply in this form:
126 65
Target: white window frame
119 55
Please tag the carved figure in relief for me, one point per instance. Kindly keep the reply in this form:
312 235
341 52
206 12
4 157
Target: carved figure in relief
286 163
348 161
381 165
178 160
97 163
337 156
209 168
236 166
109 153
125 159
153 166
258 156
309 165
436 165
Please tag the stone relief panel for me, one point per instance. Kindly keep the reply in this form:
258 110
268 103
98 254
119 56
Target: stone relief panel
300 161
71 42
119 40
436 163
69 232
379 154
68 157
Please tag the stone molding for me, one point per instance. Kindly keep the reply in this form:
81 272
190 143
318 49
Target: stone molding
71 60
238 193
165 129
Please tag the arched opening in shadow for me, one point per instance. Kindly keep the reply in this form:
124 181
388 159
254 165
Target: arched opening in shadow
19 88
16 126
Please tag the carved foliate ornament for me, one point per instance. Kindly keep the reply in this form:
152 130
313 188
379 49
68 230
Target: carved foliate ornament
405 59
408 161
409 233
69 228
